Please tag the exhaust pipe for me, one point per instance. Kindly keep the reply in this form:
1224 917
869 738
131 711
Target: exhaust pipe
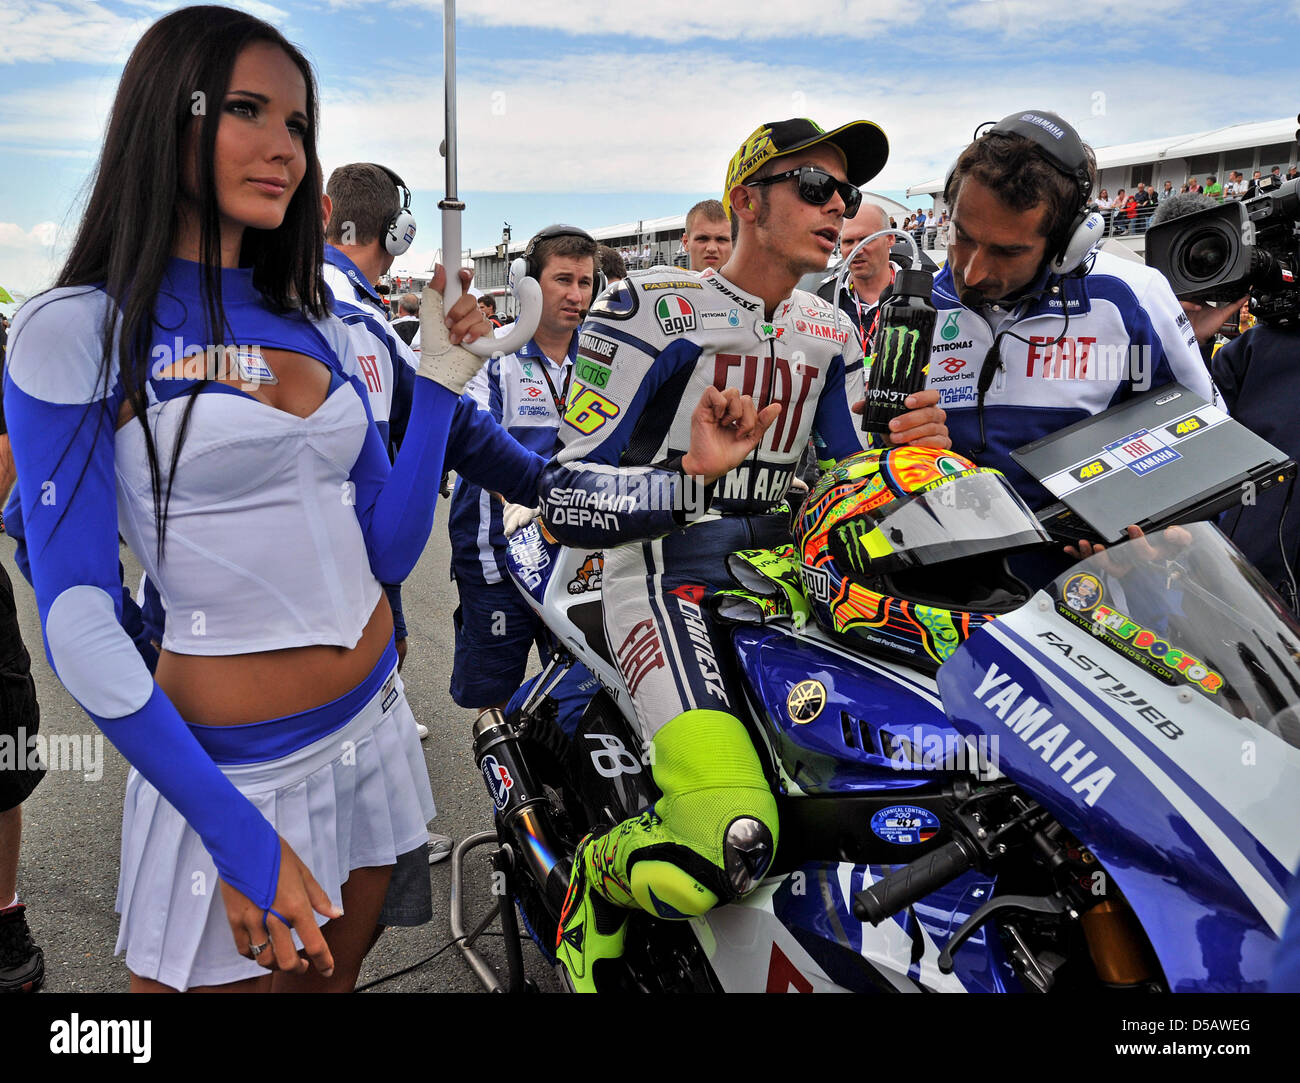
521 805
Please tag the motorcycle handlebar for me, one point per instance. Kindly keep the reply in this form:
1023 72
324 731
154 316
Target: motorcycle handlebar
900 889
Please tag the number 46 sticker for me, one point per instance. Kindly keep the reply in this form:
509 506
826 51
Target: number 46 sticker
589 411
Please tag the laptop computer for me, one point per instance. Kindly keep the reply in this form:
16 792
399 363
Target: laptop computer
1164 456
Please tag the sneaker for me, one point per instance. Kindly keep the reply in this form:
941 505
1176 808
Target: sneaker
422 730
440 847
22 963
591 931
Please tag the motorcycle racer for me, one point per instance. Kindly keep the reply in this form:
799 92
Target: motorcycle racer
667 491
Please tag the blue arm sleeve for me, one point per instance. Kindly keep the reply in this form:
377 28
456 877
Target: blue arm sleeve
395 503
480 450
64 455
394 594
135 621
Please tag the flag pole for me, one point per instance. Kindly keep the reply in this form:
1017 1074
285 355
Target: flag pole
528 294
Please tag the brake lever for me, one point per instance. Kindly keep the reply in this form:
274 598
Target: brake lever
1047 905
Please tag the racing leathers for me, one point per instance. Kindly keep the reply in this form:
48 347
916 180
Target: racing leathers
1086 343
1073 347
649 348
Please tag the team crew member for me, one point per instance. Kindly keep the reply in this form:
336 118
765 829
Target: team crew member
369 208
368 225
525 392
641 460
707 238
1053 331
872 272
275 756
488 306
408 319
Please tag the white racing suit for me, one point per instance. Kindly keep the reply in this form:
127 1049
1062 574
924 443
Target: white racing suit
649 348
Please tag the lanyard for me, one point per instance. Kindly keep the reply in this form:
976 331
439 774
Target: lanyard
558 399
868 335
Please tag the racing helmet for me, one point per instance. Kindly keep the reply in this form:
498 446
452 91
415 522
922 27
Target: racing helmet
904 550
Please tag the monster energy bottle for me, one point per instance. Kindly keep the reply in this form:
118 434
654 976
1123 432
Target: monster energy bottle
901 350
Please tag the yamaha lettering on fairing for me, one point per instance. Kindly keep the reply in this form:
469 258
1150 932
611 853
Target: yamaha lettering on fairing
1035 726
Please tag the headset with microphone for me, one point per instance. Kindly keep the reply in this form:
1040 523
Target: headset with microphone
1059 145
399 231
529 266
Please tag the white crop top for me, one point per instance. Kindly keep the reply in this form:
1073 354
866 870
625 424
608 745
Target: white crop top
263 548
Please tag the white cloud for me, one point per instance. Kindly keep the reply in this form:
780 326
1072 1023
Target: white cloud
76 30
272 14
639 122
66 117
29 257
684 20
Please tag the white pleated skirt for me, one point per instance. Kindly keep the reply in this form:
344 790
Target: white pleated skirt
357 797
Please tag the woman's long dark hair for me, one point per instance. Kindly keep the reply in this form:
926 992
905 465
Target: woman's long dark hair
176 79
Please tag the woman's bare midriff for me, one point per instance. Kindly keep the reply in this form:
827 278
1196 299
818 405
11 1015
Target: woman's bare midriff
235 688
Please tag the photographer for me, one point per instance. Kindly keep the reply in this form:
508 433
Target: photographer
1256 371
1260 381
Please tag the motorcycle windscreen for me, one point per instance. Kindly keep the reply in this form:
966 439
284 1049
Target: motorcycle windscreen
968 515
1150 698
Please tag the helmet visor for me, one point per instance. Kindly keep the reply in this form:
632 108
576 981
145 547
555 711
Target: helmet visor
971 514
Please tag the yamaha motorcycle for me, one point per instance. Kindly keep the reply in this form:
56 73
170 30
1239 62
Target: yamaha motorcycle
1099 790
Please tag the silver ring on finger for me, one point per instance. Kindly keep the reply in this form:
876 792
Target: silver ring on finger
257 949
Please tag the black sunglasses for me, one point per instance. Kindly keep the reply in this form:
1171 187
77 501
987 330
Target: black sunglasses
816 186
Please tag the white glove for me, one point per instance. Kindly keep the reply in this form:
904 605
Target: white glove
516 516
440 361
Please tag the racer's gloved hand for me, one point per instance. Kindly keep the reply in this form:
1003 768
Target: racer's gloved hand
770 588
517 516
442 359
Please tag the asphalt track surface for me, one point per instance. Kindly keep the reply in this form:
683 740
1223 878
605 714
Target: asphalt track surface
72 826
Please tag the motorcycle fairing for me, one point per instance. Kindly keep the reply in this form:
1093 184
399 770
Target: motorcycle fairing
530 560
870 717
798 934
563 586
1207 887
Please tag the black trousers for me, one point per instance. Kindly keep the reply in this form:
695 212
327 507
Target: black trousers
20 715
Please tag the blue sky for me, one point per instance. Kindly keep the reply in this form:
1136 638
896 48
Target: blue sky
596 114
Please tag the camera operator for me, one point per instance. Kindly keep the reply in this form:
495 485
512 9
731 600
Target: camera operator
1257 372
